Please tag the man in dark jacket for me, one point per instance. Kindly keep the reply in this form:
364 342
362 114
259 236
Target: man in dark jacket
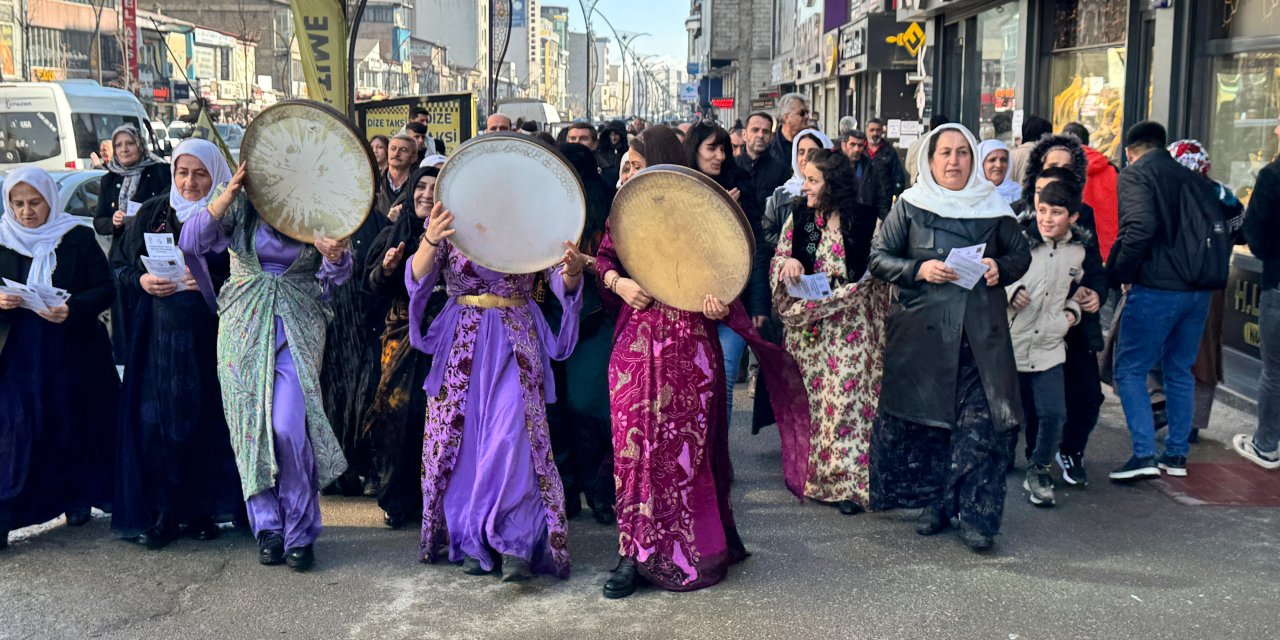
766 172
871 190
1262 230
1164 314
885 158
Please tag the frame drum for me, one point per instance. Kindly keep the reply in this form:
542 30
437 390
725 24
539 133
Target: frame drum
681 236
310 175
514 202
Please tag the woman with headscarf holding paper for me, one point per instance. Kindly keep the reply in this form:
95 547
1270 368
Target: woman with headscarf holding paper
993 157
58 388
949 403
134 175
176 464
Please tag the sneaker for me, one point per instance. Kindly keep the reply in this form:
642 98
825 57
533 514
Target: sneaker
1175 466
1039 483
1072 466
1243 444
1137 469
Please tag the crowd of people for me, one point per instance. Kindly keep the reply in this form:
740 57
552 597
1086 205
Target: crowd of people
967 294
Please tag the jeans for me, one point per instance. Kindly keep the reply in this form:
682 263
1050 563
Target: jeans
732 345
1159 325
1046 392
1084 395
1267 438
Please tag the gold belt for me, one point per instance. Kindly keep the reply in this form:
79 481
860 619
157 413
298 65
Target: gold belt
491 301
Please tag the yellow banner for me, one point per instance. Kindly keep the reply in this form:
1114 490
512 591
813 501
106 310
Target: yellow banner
321 28
451 118
203 128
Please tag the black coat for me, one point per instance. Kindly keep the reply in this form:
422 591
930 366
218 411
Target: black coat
156 180
926 321
890 172
1150 197
83 271
871 186
756 296
1262 223
766 173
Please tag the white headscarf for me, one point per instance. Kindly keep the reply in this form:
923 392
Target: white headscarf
432 160
793 185
39 243
1008 189
214 162
626 157
978 199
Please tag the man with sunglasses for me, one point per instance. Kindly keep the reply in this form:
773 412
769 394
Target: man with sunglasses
793 117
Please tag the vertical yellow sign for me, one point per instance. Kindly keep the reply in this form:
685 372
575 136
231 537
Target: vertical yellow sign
321 29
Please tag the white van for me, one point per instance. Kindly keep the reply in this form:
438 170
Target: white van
530 109
56 125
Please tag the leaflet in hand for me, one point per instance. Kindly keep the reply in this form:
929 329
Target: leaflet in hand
967 263
131 208
163 259
814 286
35 297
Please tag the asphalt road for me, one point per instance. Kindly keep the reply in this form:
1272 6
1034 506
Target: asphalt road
1109 562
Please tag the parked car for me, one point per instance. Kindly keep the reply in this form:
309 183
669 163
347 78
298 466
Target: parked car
164 146
232 135
57 125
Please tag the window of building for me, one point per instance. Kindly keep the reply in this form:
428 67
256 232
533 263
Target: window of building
1244 18
999 53
1243 116
1087 69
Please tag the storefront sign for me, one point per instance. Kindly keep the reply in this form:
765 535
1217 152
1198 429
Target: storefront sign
213 38
911 39
451 117
764 104
1240 330
852 45
694 69
48 74
129 17
689 92
722 103
809 39
830 52
161 94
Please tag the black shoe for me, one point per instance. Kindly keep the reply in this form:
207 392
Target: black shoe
623 582
371 487
975 540
1175 466
270 548
1072 466
395 522
156 538
1136 469
300 558
572 506
203 531
604 514
936 524
471 566
849 507
515 569
79 517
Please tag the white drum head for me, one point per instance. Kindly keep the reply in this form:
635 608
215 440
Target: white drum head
515 202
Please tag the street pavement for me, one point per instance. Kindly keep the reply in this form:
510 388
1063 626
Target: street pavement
1109 561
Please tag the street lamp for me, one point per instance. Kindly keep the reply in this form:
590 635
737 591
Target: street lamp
181 29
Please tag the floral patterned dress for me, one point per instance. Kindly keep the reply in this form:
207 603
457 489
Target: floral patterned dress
838 343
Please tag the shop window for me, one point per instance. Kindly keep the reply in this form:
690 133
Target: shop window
999 53
1244 18
1089 23
1244 114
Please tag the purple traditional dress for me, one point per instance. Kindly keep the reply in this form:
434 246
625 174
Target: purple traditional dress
671 435
489 480
270 344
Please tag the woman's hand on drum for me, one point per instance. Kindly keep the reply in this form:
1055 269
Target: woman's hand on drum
219 207
392 259
792 270
56 315
439 226
332 250
632 293
713 309
157 286
936 272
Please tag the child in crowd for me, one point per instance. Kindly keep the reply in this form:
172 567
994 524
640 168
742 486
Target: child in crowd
1041 311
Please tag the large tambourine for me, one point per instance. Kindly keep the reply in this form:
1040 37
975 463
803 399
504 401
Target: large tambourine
514 202
310 174
681 236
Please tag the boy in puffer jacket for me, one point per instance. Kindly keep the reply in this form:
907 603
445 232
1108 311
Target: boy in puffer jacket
1041 312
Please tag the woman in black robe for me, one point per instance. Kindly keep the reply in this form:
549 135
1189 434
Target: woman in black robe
58 386
393 422
136 175
176 463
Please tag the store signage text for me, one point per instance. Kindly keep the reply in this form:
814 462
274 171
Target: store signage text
722 103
